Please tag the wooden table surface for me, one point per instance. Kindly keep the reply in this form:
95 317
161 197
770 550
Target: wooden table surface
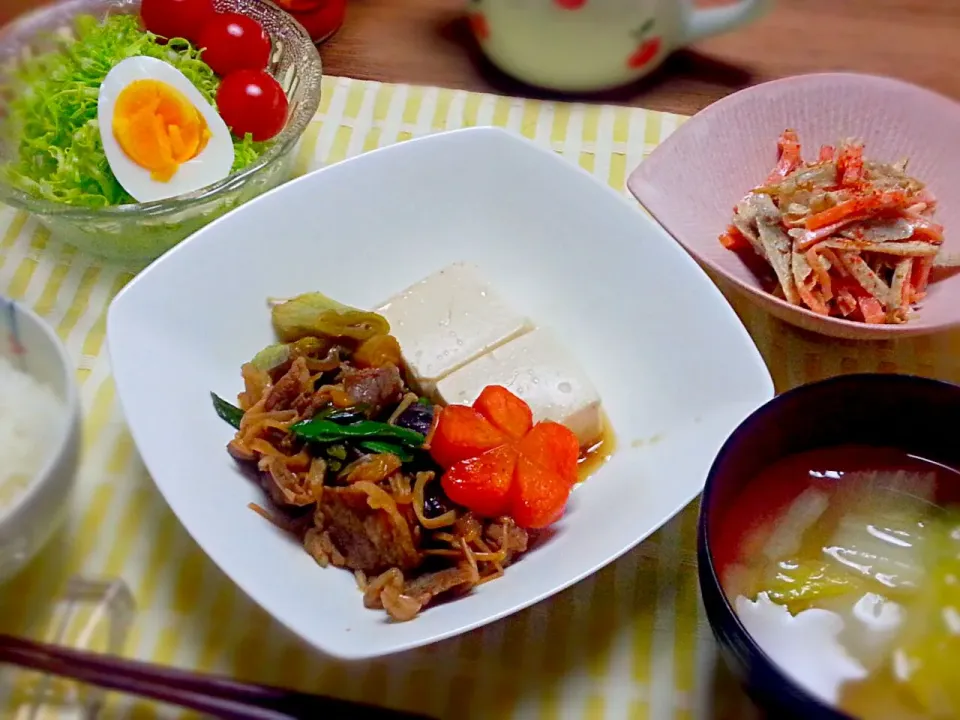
426 42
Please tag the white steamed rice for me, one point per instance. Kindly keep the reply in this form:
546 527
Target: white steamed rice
30 414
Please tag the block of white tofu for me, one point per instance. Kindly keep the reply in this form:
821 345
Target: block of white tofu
537 368
448 319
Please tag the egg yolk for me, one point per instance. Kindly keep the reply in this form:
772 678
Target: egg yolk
158 127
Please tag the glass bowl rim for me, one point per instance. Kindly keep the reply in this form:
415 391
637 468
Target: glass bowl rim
285 142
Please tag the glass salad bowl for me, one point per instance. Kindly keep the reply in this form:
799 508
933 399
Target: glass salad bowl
143 231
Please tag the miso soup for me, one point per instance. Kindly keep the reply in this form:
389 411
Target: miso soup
844 566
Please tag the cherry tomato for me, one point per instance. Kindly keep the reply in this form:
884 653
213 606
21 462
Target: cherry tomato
234 42
176 18
251 101
320 18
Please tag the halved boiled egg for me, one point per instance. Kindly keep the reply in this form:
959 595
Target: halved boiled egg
160 135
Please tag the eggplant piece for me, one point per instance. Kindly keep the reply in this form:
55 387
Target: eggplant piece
435 501
417 417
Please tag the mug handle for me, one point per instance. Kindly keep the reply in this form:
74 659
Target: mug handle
712 21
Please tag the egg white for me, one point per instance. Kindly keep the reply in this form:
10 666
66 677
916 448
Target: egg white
211 165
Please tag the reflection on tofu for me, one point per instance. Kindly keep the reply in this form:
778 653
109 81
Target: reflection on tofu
537 368
447 320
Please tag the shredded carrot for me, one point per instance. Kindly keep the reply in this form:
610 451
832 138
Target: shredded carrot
920 277
812 237
854 239
266 515
846 302
789 149
927 231
870 202
850 165
735 240
823 276
835 263
811 298
872 310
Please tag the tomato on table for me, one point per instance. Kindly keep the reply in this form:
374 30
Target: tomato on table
177 18
320 18
252 102
232 42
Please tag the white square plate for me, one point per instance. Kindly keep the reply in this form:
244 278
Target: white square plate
676 369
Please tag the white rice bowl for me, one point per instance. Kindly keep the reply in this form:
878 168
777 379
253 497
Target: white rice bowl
39 435
29 413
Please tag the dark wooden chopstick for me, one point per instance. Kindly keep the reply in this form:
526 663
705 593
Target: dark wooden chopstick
213 695
209 705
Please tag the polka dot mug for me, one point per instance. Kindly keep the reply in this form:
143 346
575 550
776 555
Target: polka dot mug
585 45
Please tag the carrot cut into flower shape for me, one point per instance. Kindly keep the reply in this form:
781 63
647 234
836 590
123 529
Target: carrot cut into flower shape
483 483
463 432
498 463
539 495
553 446
505 411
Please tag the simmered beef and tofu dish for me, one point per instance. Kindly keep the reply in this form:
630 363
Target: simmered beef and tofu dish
422 446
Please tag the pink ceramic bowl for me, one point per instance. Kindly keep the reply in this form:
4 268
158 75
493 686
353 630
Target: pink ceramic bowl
692 181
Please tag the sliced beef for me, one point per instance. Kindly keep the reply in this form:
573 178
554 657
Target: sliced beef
377 388
285 487
426 587
507 535
368 539
318 544
288 388
308 403
240 452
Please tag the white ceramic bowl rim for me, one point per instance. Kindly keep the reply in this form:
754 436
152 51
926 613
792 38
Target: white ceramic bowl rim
71 410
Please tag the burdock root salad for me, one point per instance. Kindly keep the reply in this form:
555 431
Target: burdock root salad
135 109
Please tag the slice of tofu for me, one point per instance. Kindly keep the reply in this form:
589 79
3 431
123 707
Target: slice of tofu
537 368
448 319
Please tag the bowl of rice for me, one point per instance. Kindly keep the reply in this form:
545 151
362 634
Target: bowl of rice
39 435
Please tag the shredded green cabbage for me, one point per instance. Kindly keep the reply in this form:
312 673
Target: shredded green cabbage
52 117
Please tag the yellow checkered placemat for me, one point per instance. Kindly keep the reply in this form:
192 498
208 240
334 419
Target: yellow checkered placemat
628 642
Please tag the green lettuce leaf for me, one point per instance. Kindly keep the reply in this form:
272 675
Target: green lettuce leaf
52 114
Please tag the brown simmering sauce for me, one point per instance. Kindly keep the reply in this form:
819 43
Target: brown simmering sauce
595 456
